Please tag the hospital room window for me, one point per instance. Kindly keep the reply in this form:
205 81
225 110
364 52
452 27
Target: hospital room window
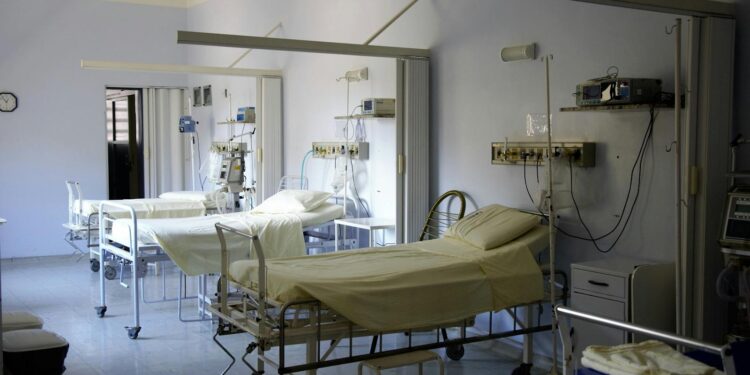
124 145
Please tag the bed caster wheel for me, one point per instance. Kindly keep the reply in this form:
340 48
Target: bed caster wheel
100 310
455 352
110 273
523 369
94 265
133 332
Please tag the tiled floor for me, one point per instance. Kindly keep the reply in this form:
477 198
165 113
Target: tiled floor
63 291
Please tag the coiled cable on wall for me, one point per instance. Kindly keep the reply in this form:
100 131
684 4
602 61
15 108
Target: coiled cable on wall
728 283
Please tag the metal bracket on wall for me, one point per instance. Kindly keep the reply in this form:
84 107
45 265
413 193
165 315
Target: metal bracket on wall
512 153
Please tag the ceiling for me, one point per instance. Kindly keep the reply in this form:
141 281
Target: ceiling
164 3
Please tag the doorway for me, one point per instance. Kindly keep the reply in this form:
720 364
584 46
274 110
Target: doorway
124 142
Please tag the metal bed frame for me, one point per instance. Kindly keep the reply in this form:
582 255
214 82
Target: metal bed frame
277 324
86 228
138 255
81 227
724 352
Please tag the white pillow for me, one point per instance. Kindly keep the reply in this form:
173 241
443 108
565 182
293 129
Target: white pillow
195 196
292 201
492 226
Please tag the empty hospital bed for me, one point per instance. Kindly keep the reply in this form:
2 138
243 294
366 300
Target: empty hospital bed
192 243
82 225
325 300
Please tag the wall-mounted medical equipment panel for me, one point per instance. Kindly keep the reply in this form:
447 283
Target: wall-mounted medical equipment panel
618 91
379 106
228 147
583 153
246 115
736 229
187 124
332 150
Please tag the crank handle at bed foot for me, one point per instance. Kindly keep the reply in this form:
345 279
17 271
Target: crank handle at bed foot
251 347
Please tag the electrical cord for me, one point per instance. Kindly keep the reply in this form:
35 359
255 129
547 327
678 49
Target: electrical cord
348 121
542 214
198 145
302 168
354 184
637 164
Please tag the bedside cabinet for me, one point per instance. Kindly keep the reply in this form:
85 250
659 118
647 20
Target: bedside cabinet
631 290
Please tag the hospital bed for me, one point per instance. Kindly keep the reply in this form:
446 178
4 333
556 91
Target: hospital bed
731 358
82 222
192 244
326 300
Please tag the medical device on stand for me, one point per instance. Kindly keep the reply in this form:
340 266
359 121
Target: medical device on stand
733 283
188 125
227 159
351 148
228 169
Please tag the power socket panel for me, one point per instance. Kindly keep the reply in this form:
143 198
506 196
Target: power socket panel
332 150
228 147
514 153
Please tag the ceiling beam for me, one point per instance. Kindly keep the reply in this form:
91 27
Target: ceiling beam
296 45
691 8
175 68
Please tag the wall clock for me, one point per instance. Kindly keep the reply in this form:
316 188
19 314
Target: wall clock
8 102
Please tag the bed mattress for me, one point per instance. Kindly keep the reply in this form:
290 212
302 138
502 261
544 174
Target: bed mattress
148 208
192 243
415 285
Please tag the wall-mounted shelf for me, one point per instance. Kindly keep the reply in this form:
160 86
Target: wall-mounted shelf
616 107
234 123
354 117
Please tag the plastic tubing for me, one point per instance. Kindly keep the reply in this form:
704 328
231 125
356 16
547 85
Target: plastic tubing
724 281
302 169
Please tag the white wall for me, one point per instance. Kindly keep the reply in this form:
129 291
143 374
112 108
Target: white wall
313 106
477 99
58 131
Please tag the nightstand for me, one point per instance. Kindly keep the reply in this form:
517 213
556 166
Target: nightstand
630 290
369 224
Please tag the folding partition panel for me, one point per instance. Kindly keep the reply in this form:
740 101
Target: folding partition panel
269 154
413 145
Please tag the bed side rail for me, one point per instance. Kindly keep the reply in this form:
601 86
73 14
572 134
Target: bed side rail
562 311
74 192
104 221
223 282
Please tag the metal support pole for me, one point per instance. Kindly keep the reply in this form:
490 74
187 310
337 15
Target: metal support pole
552 220
392 20
681 261
278 25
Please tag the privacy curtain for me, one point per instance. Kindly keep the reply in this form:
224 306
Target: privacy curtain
166 151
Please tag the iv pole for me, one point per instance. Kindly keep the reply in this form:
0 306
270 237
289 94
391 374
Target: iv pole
192 146
551 218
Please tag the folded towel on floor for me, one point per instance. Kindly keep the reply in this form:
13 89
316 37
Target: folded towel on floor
645 358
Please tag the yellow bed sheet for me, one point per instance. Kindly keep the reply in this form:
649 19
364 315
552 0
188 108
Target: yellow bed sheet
415 285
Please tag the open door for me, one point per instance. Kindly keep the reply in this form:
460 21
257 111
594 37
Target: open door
124 148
